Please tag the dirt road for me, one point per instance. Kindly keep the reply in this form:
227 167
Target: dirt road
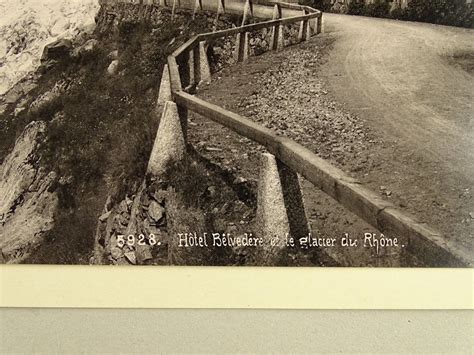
413 81
387 102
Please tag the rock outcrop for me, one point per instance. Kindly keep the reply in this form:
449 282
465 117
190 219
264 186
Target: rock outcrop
27 198
27 26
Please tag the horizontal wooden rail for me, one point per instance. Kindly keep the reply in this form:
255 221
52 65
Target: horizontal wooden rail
256 26
193 41
383 215
175 79
261 9
187 48
289 5
188 45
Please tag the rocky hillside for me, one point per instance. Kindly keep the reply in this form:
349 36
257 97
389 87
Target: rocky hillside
27 26
28 200
78 131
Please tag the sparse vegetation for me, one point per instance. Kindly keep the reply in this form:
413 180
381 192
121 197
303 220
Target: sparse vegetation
444 12
378 8
323 5
357 7
101 131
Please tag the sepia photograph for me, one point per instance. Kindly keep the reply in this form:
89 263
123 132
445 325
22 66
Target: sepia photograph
308 133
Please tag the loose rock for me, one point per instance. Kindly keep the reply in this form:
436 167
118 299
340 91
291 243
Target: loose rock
155 211
113 67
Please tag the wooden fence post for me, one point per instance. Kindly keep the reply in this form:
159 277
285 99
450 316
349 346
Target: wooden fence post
173 9
315 25
320 23
191 69
220 8
197 6
304 32
205 72
197 64
242 47
248 11
277 30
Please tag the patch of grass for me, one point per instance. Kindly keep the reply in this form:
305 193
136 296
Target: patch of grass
204 202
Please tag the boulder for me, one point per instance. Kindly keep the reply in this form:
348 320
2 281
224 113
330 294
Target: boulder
56 51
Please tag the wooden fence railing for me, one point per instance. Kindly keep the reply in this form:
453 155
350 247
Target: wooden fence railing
188 66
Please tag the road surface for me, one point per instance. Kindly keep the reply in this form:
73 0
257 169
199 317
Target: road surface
412 81
388 102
